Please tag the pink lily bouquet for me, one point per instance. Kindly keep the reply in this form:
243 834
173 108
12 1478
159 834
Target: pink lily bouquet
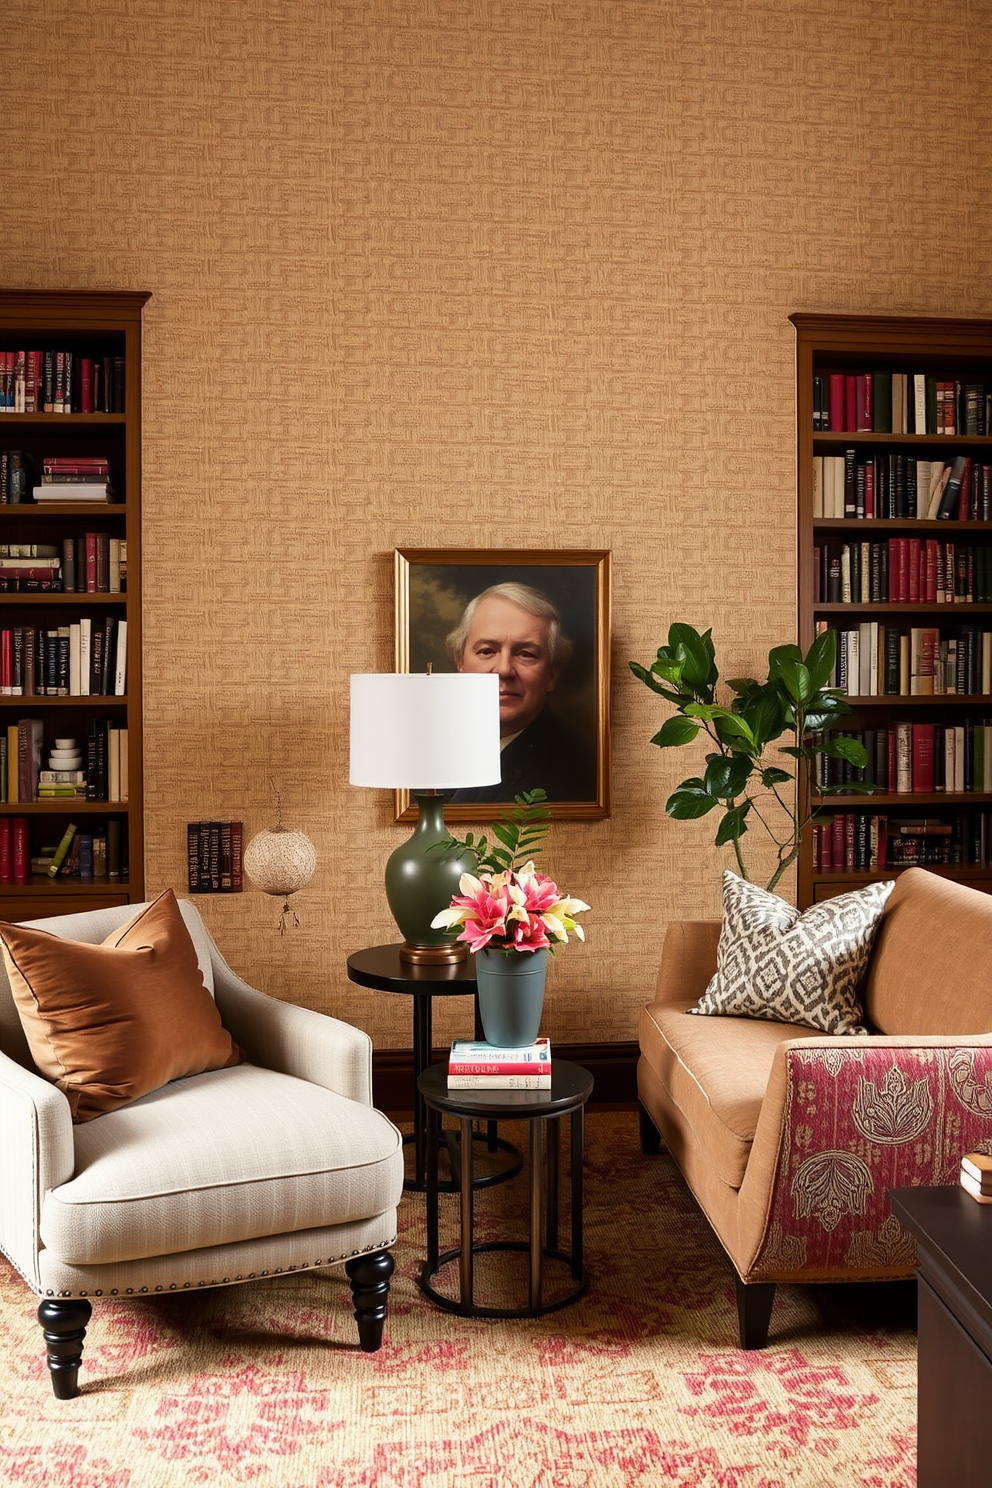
513 910
510 906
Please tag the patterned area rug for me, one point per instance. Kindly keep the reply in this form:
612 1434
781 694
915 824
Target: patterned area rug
639 1383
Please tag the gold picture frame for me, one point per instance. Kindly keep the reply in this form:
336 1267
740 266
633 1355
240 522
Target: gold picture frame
433 585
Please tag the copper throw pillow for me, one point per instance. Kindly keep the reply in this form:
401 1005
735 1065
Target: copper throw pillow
110 1022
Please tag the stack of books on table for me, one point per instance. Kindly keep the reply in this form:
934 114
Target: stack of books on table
482 1066
976 1176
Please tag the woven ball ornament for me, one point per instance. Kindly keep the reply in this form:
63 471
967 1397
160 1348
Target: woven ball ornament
279 860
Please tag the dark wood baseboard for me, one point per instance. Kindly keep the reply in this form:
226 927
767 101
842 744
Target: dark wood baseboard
613 1067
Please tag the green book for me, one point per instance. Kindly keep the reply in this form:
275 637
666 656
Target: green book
882 402
62 849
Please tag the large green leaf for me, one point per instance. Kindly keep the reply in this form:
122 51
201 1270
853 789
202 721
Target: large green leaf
733 825
727 774
766 715
690 801
735 732
821 657
845 748
774 776
675 731
696 654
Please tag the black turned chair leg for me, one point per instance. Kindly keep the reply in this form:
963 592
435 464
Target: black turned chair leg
650 1135
754 1311
369 1276
63 1322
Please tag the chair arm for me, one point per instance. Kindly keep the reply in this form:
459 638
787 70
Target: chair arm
294 1040
843 1121
688 960
36 1154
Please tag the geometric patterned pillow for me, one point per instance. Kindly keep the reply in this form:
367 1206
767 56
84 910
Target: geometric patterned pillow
775 962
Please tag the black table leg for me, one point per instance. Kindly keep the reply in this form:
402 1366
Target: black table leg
578 1131
536 1211
422 1036
433 1123
467 1258
554 1125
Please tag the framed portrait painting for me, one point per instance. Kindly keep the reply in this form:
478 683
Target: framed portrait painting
541 620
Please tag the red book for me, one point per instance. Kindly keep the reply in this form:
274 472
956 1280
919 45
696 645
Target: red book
898 558
6 850
837 420
870 488
6 661
86 385
930 566
863 402
913 570
837 842
825 840
922 756
850 402
19 848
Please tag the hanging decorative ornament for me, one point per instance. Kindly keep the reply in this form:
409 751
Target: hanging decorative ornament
279 860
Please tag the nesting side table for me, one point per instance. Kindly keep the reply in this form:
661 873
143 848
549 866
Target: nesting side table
380 968
571 1087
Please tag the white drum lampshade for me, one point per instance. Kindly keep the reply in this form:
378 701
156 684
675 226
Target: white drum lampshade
425 733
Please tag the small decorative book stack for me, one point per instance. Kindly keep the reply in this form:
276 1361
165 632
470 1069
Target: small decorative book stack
976 1176
482 1066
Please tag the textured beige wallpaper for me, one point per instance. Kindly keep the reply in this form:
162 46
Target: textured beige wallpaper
432 274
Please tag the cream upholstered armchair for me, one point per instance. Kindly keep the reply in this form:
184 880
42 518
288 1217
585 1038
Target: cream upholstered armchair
277 1163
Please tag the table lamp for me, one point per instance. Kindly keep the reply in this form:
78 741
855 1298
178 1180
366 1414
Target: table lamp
425 733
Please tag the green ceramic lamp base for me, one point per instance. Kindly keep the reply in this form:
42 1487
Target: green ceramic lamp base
420 881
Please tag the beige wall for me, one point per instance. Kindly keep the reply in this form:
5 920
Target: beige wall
437 274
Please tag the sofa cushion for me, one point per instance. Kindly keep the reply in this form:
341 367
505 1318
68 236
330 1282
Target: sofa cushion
776 962
221 1157
930 969
110 1022
716 1071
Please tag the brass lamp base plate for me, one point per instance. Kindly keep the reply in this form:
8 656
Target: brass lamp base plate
433 955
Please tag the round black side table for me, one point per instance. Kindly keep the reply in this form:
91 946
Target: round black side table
380 968
571 1087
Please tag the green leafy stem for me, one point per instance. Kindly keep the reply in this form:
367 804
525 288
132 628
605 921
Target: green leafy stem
519 836
795 699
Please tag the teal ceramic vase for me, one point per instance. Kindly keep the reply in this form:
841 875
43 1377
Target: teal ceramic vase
511 995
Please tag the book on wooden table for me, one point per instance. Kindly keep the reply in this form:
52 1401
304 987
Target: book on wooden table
476 1057
972 1186
978 1167
500 1082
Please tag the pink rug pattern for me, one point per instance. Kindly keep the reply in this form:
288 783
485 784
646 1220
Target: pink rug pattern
637 1384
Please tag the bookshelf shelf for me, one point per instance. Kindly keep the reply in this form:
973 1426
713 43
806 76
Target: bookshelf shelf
102 330
858 363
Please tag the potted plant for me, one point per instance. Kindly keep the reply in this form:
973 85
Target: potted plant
740 780
512 917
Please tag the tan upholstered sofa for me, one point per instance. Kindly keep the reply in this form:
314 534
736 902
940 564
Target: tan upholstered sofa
790 1143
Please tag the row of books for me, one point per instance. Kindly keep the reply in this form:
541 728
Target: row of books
477 1065
875 660
902 570
83 658
104 775
860 840
60 380
214 852
894 485
94 563
883 402
83 855
906 758
63 478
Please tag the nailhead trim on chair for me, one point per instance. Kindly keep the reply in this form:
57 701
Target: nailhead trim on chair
252 1275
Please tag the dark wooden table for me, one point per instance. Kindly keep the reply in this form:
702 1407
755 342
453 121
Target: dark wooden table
571 1087
380 968
953 1236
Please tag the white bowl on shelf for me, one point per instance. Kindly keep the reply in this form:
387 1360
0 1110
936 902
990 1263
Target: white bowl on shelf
70 745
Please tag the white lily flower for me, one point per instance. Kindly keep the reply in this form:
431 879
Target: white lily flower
468 885
447 919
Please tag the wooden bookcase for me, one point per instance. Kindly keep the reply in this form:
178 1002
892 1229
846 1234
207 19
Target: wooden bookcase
94 325
950 351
